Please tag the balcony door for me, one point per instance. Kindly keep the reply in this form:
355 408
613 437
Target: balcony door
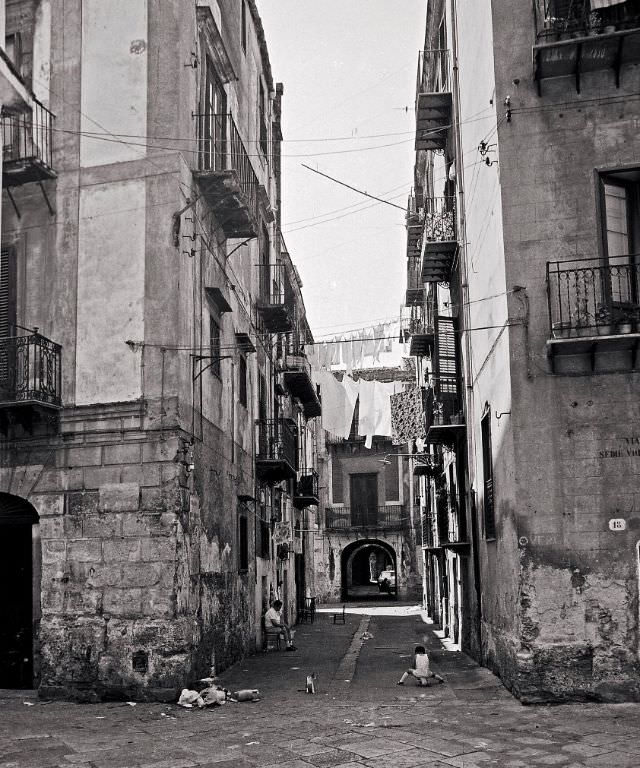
364 499
213 146
620 215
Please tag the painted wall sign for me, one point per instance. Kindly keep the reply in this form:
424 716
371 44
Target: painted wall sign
628 446
617 524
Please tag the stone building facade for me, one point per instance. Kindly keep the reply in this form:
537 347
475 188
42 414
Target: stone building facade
368 521
541 168
156 407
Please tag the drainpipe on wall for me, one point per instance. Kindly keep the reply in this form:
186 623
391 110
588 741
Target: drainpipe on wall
465 316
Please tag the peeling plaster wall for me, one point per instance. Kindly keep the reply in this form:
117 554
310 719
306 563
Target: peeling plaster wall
559 610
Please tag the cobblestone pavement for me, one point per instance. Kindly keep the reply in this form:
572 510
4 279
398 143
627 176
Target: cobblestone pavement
359 717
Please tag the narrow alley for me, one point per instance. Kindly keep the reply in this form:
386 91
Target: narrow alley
358 716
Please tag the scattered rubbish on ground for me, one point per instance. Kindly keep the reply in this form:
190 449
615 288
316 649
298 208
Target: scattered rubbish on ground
249 743
28 703
169 717
131 703
246 694
294 667
366 636
101 717
211 696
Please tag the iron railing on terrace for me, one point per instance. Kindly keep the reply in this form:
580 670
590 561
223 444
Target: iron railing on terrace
440 218
589 297
566 19
434 71
389 516
27 148
30 371
220 148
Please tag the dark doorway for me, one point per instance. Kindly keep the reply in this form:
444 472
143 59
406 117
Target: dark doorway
364 499
365 564
16 592
300 582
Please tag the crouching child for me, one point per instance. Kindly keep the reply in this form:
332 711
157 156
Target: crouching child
420 669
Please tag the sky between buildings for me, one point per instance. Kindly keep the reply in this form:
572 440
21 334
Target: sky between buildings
349 73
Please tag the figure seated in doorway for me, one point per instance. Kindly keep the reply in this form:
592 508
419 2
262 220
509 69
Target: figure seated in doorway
273 621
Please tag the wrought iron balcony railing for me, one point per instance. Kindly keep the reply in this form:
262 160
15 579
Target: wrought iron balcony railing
276 455
573 38
434 71
567 19
440 218
415 288
389 516
440 239
297 377
588 297
27 149
226 175
276 302
307 488
30 372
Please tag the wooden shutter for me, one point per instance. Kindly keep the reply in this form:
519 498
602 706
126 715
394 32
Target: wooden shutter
7 292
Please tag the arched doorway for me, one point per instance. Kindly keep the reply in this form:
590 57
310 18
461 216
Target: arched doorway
363 563
19 582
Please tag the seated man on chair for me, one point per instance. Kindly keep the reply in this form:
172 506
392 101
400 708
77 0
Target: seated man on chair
273 620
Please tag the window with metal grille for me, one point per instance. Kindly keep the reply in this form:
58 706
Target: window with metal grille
214 346
243 544
487 472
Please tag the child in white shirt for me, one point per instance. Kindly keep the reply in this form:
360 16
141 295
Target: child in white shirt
420 670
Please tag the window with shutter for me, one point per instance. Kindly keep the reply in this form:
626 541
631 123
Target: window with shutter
487 470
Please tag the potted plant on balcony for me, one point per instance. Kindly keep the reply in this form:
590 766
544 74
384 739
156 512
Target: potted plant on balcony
438 414
627 315
561 330
604 320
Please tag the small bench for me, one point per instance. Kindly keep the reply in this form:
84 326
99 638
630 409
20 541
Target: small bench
340 618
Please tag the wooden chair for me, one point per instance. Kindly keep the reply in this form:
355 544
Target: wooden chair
340 618
307 611
272 638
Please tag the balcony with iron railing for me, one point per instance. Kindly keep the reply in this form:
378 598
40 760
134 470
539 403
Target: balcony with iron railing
594 306
574 37
391 516
415 288
27 149
297 379
226 176
307 489
276 454
440 243
30 378
276 302
434 103
422 335
445 411
414 228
